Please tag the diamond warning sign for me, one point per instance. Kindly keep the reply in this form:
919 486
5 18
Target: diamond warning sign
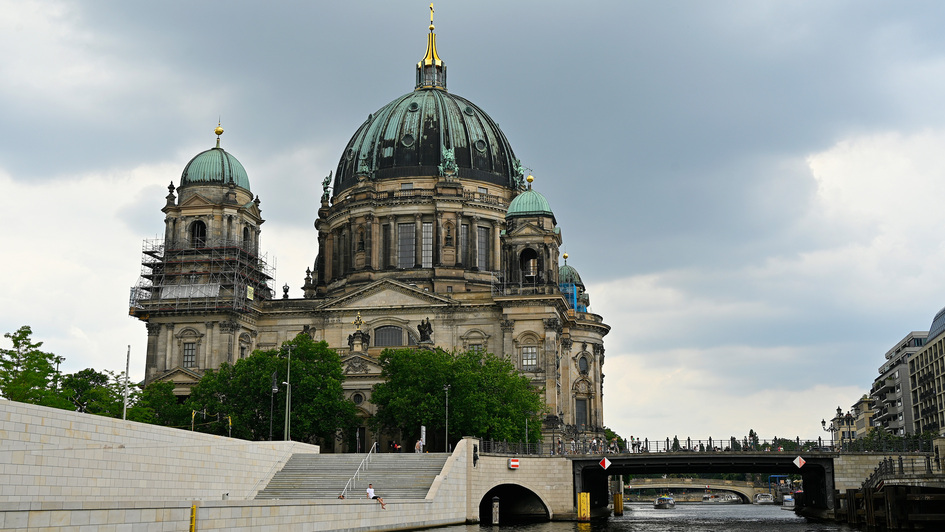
799 462
605 463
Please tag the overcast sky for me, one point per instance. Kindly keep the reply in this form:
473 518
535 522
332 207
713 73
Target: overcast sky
750 190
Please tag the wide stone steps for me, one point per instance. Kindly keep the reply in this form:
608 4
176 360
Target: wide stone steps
323 476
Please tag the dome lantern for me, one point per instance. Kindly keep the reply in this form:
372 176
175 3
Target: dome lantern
431 70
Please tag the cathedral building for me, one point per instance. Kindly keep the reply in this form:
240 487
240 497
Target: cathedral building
428 232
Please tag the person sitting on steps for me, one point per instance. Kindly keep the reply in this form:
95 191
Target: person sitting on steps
371 495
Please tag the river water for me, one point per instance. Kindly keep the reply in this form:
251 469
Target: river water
695 517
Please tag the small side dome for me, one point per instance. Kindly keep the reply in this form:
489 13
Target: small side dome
214 167
568 275
529 203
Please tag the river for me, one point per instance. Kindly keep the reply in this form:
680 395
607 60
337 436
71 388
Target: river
695 517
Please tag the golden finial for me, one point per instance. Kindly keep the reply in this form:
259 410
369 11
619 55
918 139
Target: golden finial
530 178
218 131
565 255
431 16
357 321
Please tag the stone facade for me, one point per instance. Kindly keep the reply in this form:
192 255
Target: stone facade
447 235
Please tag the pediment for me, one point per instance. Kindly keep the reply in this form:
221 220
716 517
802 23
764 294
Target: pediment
387 294
180 375
197 200
359 364
528 229
252 209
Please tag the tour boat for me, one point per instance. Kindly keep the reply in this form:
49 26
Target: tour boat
764 498
664 502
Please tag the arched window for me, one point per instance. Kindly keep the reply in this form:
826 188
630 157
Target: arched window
198 234
528 262
247 241
360 239
388 336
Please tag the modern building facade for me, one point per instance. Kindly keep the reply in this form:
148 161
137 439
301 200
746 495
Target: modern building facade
927 380
428 233
891 391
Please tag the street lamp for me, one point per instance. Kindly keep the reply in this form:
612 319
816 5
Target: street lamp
833 426
288 410
288 395
272 398
446 444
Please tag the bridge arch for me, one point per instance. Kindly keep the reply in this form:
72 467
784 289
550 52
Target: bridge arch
517 503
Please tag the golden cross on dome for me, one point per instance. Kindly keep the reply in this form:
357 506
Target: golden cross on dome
358 322
431 15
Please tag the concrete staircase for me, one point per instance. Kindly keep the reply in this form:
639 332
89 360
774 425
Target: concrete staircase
323 476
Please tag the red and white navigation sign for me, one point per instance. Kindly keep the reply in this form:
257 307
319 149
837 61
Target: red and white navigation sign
605 463
799 462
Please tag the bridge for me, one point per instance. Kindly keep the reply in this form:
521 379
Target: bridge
695 486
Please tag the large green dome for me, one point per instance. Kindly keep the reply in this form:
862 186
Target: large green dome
408 137
214 167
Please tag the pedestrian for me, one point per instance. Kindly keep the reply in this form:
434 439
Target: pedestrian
371 495
418 448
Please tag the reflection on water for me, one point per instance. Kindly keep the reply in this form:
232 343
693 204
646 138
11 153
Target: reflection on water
695 517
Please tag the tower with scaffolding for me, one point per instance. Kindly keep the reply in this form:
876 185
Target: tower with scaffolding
203 286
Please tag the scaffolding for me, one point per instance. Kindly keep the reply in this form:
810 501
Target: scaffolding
207 275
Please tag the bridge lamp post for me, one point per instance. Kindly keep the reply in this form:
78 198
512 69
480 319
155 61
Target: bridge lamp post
833 427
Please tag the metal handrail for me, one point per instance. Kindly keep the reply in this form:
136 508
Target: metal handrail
357 473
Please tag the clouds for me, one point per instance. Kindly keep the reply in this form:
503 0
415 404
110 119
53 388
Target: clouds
749 189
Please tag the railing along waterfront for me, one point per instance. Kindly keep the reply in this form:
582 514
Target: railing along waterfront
902 468
592 446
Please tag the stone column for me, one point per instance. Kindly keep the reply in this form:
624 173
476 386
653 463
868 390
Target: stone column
392 259
151 358
418 240
496 250
438 238
207 354
508 329
474 244
168 346
368 239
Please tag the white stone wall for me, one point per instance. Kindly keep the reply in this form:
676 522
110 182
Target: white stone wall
63 472
56 455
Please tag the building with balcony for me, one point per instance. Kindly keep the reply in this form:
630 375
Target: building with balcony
891 391
927 380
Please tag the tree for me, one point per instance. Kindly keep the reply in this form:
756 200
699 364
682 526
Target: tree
27 374
487 396
97 393
158 405
242 393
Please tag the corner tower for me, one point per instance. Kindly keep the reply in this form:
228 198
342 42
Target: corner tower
202 285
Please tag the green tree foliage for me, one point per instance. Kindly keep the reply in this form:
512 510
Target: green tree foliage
158 405
97 393
27 374
242 393
487 397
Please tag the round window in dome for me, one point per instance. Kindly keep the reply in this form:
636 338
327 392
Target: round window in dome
349 154
413 106
468 110
407 140
480 145
357 398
